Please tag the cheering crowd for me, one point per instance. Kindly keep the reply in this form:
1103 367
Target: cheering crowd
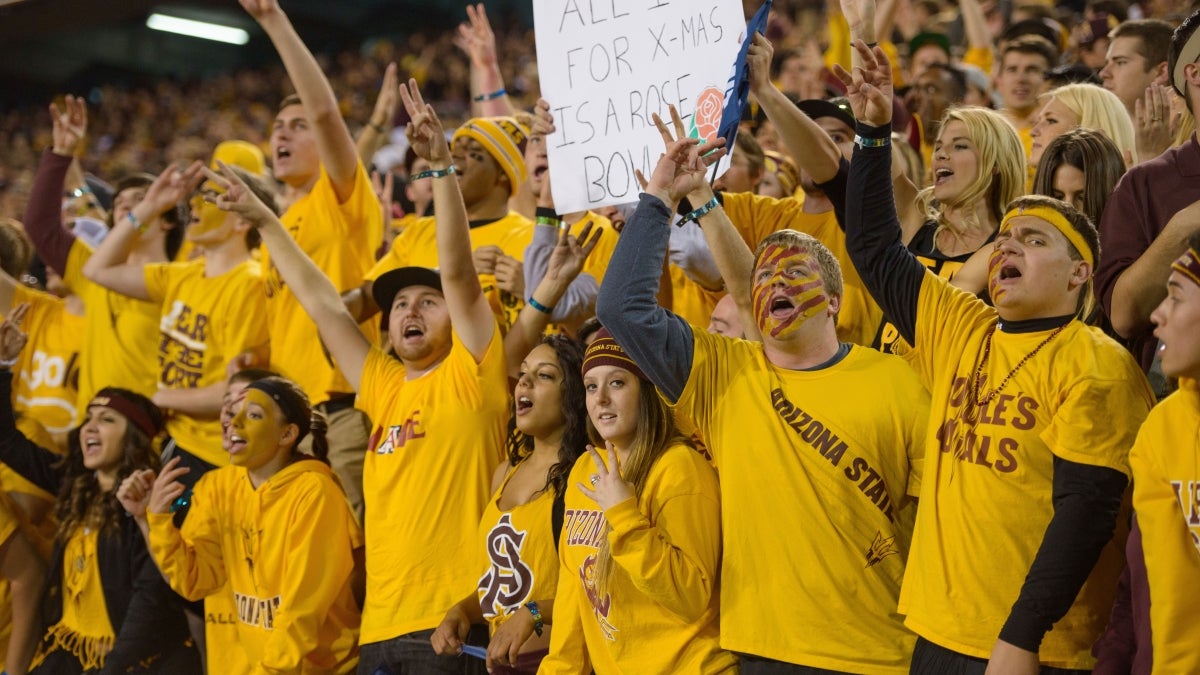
912 387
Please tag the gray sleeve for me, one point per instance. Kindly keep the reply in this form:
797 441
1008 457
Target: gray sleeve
579 301
660 342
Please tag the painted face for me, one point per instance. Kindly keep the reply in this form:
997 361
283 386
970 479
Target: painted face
478 172
294 154
235 393
102 438
419 326
1069 183
256 430
1030 271
955 163
1021 79
538 393
207 221
1177 326
788 290
1054 120
612 403
1126 72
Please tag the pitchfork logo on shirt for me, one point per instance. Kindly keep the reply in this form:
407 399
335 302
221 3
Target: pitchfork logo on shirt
600 606
508 582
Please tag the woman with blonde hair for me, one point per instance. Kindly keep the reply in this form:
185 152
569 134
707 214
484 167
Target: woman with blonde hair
1073 106
978 167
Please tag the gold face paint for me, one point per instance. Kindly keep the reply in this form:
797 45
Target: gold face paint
209 216
792 274
255 431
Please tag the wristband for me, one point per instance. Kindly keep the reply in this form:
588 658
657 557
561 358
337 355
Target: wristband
539 306
494 95
9 363
78 192
549 222
872 142
702 211
537 617
138 225
435 173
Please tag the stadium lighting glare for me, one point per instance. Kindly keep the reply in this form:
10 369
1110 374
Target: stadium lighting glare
198 29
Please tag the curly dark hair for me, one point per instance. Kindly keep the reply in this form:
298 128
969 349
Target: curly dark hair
575 418
81 499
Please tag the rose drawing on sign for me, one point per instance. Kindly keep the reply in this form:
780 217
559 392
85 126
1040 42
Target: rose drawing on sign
706 121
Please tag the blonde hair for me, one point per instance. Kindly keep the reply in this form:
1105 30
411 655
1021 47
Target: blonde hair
1001 176
1098 108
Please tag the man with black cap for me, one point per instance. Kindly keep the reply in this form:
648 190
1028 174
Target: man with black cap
1150 215
439 401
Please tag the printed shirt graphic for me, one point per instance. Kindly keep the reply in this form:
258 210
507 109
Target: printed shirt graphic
44 386
986 494
204 323
846 470
665 550
435 445
292 613
417 245
120 339
1166 497
519 557
341 240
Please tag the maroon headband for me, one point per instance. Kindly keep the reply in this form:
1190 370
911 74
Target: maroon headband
117 400
1189 265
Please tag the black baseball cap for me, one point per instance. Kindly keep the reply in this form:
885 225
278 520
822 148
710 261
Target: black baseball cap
390 283
838 108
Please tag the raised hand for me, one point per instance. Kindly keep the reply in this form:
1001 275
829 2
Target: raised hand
475 37
389 98
261 9
758 60
681 169
12 338
70 125
425 134
608 488
172 186
570 253
134 493
166 488
1155 122
238 197
869 87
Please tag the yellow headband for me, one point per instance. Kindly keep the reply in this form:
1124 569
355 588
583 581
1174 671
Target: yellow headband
1060 223
1189 265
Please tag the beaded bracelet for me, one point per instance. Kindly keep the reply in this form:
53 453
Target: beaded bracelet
133 220
488 97
872 142
539 306
702 211
434 173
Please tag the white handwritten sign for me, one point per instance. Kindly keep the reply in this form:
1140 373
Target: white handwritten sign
606 65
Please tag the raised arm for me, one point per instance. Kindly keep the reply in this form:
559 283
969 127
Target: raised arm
108 266
43 214
475 37
338 153
374 135
873 233
659 342
314 290
470 314
975 25
812 148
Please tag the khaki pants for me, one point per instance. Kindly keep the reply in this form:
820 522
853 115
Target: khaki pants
348 434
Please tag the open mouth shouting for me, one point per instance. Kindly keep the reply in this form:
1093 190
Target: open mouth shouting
524 405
